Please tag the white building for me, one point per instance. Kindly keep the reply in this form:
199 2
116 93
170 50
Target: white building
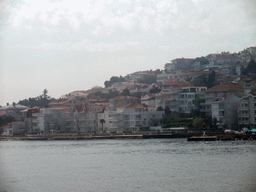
247 111
130 118
224 109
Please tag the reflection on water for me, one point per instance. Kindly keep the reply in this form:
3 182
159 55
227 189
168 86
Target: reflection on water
127 165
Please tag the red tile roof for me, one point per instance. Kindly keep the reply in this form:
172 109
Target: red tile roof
79 108
125 98
4 127
59 102
25 110
171 82
95 100
225 87
14 122
104 104
124 106
2 113
60 109
99 106
226 96
138 106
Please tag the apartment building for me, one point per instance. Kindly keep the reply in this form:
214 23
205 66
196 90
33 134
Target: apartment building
217 91
247 111
224 109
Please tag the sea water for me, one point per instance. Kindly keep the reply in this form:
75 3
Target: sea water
127 165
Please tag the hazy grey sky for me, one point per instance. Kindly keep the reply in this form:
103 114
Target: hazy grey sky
71 45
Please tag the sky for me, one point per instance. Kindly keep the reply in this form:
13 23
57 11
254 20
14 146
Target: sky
64 45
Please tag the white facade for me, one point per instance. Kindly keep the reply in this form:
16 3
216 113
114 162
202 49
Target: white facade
130 118
247 111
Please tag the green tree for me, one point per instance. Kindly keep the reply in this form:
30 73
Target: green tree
113 93
4 120
167 111
148 80
214 122
155 90
198 122
98 95
114 79
40 101
200 80
125 92
160 108
251 68
211 79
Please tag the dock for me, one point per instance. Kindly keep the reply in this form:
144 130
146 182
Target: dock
223 137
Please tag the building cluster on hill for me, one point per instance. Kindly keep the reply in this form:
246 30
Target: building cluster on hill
218 86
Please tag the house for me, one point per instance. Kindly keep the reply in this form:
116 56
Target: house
11 114
123 100
148 99
29 118
182 63
232 68
224 109
84 118
14 108
212 57
130 117
169 66
180 95
167 74
187 98
6 130
68 102
112 119
217 91
49 120
77 94
139 75
252 51
140 116
228 58
247 111
248 82
161 98
13 128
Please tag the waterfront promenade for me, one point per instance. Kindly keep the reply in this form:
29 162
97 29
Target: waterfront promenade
190 137
75 136
71 137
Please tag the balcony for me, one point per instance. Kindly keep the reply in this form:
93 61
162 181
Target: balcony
221 109
243 115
